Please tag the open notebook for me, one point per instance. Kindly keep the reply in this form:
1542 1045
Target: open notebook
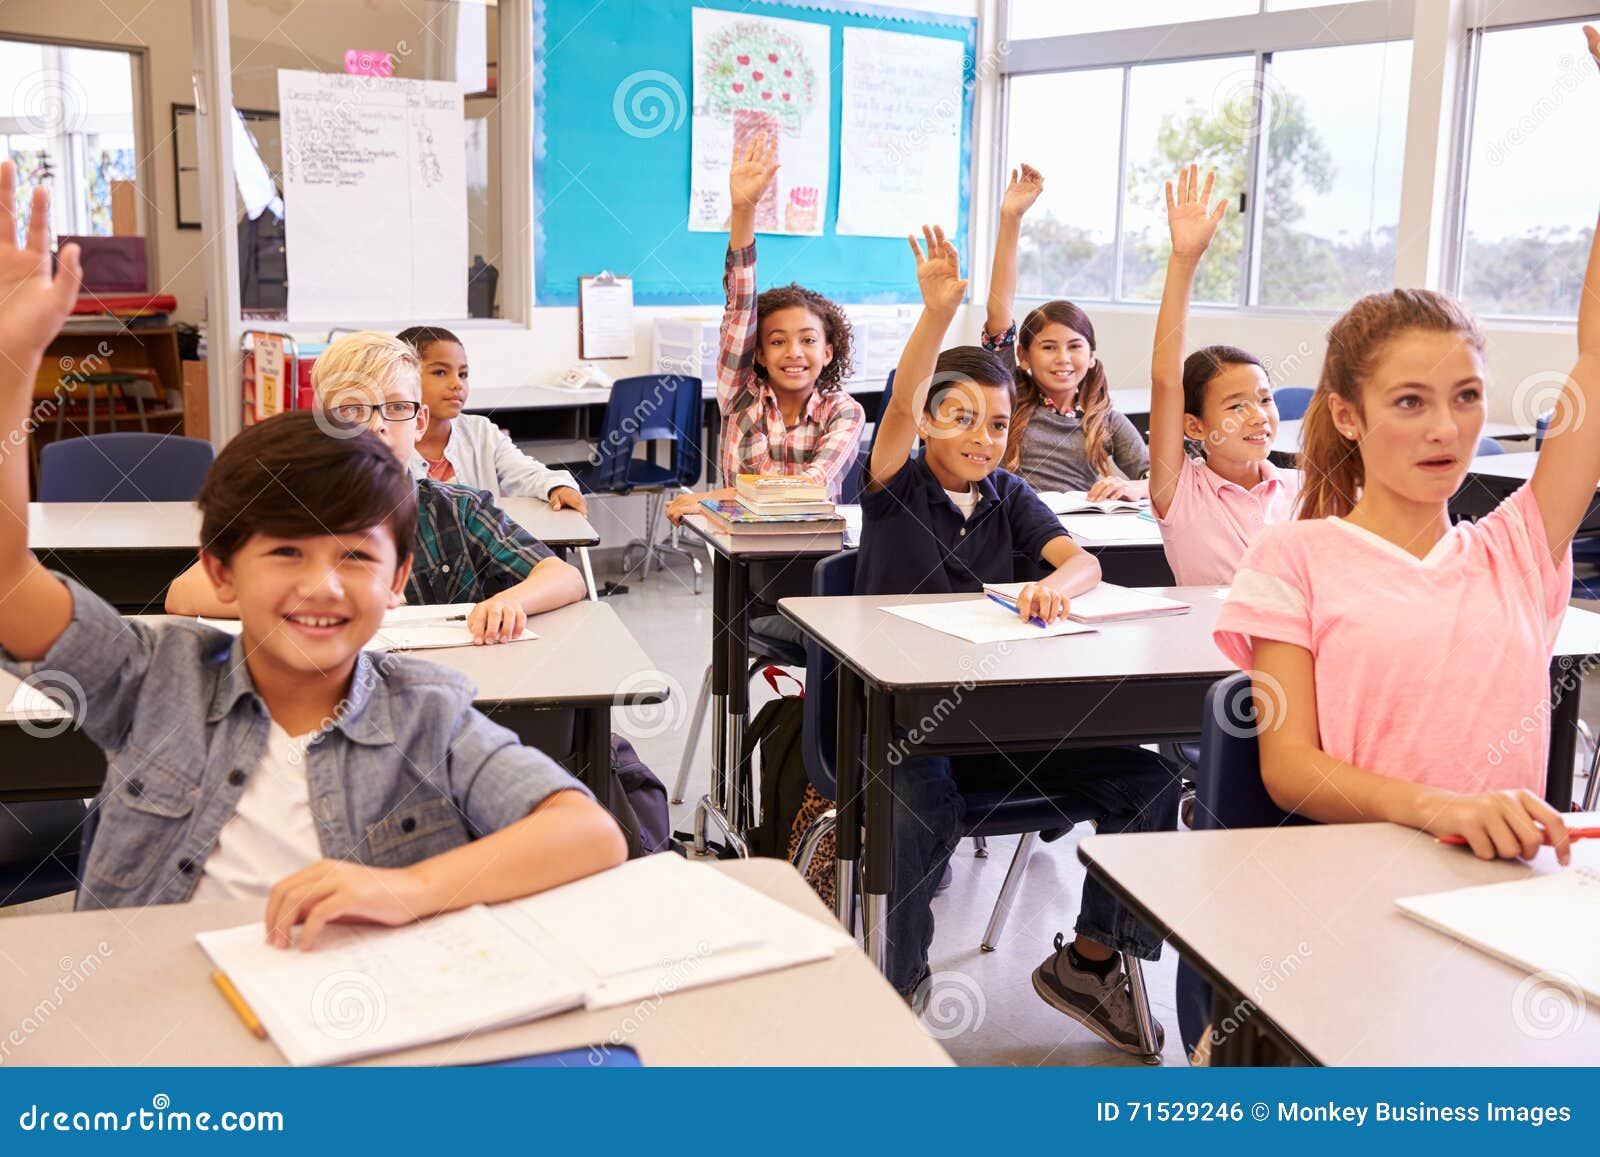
640 931
1077 502
411 628
1548 923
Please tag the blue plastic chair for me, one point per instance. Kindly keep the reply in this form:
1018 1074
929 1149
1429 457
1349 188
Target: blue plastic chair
39 849
1014 811
647 408
1292 402
124 468
1228 794
1488 446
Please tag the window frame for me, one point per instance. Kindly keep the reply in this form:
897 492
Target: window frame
1260 35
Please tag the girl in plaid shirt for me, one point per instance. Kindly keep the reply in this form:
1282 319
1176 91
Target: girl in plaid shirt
785 356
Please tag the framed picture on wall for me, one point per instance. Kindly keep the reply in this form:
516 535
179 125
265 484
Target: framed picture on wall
186 156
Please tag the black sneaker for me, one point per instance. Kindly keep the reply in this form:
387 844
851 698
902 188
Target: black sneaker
1104 1007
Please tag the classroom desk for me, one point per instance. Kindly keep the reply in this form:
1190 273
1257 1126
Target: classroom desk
147 1000
1130 682
1138 559
128 552
741 573
1494 477
1286 442
1294 919
584 661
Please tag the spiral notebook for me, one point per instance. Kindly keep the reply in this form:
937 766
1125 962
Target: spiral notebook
1548 923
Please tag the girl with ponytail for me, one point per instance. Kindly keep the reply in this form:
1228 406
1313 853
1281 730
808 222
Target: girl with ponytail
1366 621
1064 433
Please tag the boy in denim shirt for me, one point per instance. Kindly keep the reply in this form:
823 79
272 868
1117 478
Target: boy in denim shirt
948 521
285 764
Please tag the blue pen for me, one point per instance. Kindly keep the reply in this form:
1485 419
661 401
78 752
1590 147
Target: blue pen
1011 606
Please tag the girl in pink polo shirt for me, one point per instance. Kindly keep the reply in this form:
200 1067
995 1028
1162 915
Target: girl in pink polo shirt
1369 621
1210 509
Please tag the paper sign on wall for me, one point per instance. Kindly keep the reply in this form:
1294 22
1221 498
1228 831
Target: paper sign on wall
375 196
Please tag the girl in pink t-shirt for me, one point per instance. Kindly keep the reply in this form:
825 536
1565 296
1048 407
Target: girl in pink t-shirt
1401 664
1210 509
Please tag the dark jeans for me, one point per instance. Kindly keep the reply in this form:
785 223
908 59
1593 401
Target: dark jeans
1129 790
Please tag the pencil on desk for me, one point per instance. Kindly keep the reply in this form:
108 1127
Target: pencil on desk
231 995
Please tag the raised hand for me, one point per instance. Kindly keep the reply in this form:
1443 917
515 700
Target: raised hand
1594 41
33 304
938 271
1021 191
752 172
1190 217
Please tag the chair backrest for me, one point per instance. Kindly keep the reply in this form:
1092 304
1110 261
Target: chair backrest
1489 446
855 477
124 468
1228 788
1292 402
1541 427
688 454
645 408
832 576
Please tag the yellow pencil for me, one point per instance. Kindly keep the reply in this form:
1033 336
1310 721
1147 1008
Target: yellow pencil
231 995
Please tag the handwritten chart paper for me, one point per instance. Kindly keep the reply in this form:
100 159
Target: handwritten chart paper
375 197
757 75
899 133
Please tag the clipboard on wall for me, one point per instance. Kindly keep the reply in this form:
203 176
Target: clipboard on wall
605 316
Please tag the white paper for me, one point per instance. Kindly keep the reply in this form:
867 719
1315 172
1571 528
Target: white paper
982 620
375 194
1106 603
755 74
418 628
607 318
899 133
852 523
1111 528
1077 502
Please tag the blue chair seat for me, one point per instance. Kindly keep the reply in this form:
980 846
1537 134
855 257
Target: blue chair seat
124 468
993 812
1292 402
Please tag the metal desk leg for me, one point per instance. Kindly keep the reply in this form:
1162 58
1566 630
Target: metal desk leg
593 742
879 805
588 573
847 833
716 807
1566 691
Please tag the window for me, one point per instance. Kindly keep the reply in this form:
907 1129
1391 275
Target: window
67 119
1324 157
1054 18
449 40
1531 173
1069 238
1331 194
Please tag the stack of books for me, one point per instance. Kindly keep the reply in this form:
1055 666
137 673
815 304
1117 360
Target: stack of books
786 513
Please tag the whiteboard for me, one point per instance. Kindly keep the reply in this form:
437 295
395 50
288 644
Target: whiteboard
900 129
375 197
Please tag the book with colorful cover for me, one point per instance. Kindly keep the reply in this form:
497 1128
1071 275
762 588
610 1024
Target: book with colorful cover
732 516
773 488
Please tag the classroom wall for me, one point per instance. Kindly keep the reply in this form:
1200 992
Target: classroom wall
162 27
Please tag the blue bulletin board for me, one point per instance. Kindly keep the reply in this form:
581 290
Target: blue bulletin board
611 191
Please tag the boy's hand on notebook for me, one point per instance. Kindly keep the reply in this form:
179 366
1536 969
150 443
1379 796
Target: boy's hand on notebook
332 890
1021 191
938 271
566 498
498 619
33 303
1037 601
1503 825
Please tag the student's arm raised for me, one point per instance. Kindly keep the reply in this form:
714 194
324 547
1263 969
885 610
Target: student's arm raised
35 606
749 175
1021 192
939 278
1192 224
1302 778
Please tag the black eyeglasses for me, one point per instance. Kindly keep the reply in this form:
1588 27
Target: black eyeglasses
360 413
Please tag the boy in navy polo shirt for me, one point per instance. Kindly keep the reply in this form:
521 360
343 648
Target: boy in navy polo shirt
949 521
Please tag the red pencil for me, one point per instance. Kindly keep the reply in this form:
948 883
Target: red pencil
1573 834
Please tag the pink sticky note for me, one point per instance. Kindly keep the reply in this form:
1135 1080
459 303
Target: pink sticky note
358 63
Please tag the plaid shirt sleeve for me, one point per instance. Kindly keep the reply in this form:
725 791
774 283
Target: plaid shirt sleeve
501 552
833 451
736 358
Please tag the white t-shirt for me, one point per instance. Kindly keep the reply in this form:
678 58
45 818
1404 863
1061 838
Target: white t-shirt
966 501
271 834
